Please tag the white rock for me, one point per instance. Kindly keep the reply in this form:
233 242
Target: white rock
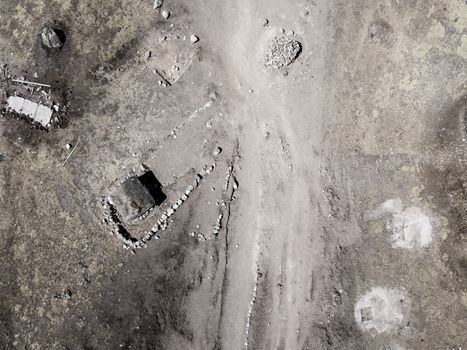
158 3
194 38
165 14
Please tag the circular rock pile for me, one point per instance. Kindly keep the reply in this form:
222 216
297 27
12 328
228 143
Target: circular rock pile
282 51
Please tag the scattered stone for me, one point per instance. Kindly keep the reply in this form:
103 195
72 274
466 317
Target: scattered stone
282 51
265 22
217 151
158 3
67 294
194 39
165 14
147 55
53 38
68 146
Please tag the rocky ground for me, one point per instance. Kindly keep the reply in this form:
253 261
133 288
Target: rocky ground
312 155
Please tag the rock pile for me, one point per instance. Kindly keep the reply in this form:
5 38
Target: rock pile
282 51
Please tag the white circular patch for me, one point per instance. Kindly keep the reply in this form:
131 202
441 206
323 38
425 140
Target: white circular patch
411 229
382 309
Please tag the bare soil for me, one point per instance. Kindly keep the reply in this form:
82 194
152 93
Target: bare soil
334 214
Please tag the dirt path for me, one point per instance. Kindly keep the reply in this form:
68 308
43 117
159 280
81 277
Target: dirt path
267 300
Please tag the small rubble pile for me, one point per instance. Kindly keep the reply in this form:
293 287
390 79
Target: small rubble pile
282 51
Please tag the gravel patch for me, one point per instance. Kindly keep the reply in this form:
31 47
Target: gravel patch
282 51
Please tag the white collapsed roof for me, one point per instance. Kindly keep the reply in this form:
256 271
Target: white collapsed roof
37 112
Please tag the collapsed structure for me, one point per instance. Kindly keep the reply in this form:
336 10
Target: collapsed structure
35 111
136 195
37 103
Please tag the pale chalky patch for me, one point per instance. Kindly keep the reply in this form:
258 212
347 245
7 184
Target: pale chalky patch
411 229
382 309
